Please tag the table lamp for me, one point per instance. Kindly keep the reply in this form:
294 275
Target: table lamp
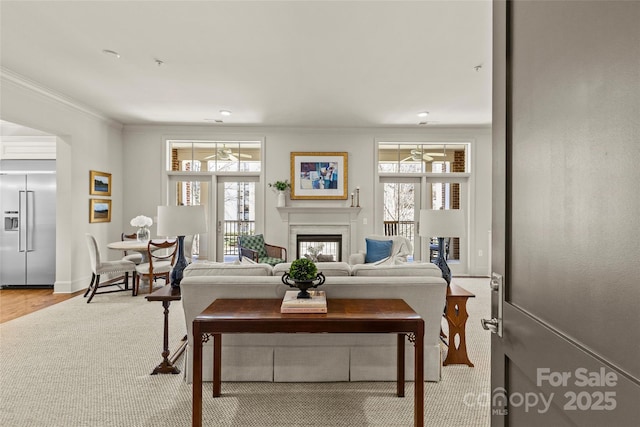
441 224
180 221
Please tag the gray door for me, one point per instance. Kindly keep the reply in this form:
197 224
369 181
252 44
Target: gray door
566 225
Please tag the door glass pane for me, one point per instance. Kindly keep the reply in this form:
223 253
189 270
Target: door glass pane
239 215
193 193
445 196
399 210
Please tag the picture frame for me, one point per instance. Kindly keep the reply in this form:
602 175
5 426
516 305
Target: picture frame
319 175
99 183
99 210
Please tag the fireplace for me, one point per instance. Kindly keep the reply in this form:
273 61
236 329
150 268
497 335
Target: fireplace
319 247
339 223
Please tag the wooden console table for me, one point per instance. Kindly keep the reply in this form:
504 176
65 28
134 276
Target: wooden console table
456 315
166 294
343 316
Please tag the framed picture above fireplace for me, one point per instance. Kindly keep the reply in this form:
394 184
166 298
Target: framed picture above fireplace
319 175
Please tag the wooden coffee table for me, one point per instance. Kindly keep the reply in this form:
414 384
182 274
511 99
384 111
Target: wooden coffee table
343 316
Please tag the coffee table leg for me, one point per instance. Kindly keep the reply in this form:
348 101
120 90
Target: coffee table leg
418 417
217 364
400 368
197 376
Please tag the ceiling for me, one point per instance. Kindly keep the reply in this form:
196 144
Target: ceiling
271 63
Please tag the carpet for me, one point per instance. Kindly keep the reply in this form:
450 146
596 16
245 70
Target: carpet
78 364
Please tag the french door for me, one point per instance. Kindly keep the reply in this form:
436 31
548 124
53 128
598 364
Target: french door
401 209
194 191
236 201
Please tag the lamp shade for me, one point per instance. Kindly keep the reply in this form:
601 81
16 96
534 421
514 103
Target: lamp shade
181 220
442 223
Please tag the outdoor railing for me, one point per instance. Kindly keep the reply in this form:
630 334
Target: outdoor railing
233 229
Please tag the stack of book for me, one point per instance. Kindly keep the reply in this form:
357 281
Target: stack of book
316 304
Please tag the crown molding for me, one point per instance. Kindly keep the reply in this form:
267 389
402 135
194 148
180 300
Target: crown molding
10 76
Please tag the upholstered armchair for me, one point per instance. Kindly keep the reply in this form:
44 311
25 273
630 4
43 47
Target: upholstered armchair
254 248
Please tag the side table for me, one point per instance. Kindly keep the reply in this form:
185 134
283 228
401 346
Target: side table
166 294
456 315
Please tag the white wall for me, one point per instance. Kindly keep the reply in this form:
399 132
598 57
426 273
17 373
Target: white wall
85 141
144 162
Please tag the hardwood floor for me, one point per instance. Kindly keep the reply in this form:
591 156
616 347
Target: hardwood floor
18 302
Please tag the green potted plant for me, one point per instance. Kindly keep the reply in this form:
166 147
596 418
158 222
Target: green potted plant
281 187
303 270
303 274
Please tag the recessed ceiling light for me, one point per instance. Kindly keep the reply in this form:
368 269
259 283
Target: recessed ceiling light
111 52
225 112
423 114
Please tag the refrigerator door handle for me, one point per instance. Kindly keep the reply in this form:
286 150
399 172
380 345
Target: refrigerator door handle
30 219
22 231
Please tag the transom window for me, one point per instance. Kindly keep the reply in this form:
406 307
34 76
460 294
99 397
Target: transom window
214 156
433 157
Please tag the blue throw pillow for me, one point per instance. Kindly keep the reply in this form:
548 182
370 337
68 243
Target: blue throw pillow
377 250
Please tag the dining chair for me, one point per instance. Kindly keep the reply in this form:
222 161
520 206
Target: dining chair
134 257
120 268
161 255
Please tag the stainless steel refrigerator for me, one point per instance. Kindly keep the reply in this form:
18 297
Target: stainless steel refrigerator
28 234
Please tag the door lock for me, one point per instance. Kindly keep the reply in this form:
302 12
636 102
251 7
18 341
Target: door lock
490 324
495 323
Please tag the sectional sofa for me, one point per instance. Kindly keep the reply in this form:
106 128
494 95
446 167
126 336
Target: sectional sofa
315 357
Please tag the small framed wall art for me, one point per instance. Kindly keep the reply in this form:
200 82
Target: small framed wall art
99 183
319 175
99 210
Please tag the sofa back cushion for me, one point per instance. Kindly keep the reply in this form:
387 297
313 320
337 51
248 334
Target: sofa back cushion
326 268
398 269
204 268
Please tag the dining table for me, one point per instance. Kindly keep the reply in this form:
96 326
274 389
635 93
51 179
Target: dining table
131 245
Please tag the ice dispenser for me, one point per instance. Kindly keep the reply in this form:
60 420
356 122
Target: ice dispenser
11 220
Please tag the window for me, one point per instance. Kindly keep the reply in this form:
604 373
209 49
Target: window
218 156
422 175
414 158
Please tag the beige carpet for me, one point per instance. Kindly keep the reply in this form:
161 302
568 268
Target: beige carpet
78 364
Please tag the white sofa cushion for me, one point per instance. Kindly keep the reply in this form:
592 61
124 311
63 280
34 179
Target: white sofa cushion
326 268
206 268
397 269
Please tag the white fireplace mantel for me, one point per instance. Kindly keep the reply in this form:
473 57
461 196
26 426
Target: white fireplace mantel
287 212
321 220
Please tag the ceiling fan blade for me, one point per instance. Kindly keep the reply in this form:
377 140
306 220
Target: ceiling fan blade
435 154
246 156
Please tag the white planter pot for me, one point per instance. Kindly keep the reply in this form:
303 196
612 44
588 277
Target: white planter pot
282 199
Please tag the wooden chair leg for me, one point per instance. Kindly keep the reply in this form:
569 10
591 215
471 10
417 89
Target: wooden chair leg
137 286
93 278
95 288
134 278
